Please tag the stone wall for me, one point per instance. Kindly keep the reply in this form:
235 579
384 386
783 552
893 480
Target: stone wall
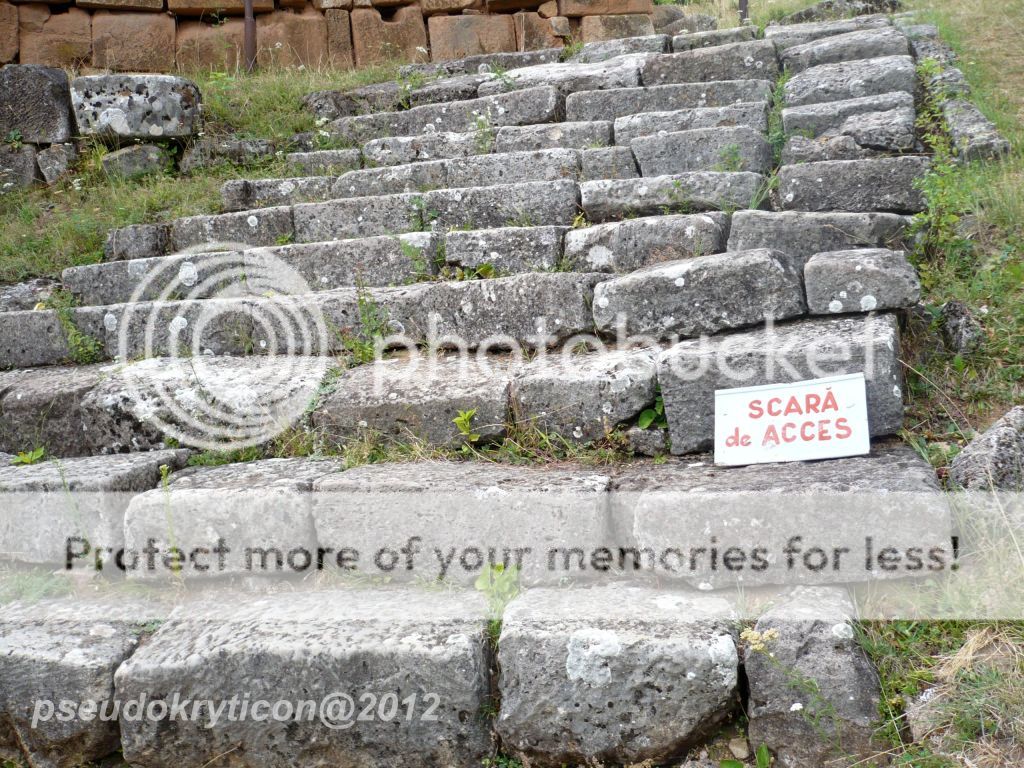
168 35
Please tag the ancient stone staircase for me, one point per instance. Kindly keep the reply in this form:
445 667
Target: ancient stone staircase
633 232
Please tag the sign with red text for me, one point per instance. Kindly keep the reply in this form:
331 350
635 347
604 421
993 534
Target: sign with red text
804 420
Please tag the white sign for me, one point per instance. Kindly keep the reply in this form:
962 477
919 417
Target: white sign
804 420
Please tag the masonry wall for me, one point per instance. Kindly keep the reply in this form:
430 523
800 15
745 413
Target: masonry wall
169 35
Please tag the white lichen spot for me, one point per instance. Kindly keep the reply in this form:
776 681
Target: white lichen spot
110 321
600 256
603 302
896 391
835 306
589 653
843 631
188 274
867 303
797 707
253 222
680 282
790 197
606 408
178 324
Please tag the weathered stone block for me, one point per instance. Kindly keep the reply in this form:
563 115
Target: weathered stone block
754 60
287 39
54 39
828 118
199 45
507 249
882 184
8 32
340 52
439 145
455 37
568 77
35 104
995 459
860 281
512 167
597 28
56 161
788 35
602 50
711 38
467 515
624 246
243 194
133 42
36 525
17 167
609 651
208 152
618 102
687 23
701 295
403 37
691 371
852 46
974 136
621 198
752 114
206 7
608 163
65 650
799 149
816 642
801 235
126 106
531 203
583 397
30 338
261 227
603 7
135 160
585 135
138 241
390 180
418 398
357 217
703 149
27 294
123 5
534 32
415 640
851 80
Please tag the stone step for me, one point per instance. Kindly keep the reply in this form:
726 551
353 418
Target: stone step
703 149
691 371
432 645
880 184
570 77
326 162
851 46
436 145
528 309
753 114
614 103
753 60
76 497
701 295
530 138
536 203
885 122
607 200
713 38
801 235
298 268
850 80
602 50
543 104
788 35
862 280
481 170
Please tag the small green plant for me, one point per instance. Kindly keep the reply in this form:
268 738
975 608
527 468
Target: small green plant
762 757
504 79
499 585
730 159
14 139
83 349
776 132
501 761
424 217
286 239
361 345
464 423
29 457
654 417
484 134
572 48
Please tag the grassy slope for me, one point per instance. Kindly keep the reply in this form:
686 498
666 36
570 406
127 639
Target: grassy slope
42 231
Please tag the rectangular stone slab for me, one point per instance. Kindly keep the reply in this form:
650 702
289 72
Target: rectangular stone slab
43 506
312 646
801 235
506 249
691 371
860 281
229 231
579 135
753 60
788 35
620 72
685 192
466 515
441 145
701 295
827 118
618 102
862 44
610 650
882 184
712 38
753 114
851 79
703 149
247 194
622 246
